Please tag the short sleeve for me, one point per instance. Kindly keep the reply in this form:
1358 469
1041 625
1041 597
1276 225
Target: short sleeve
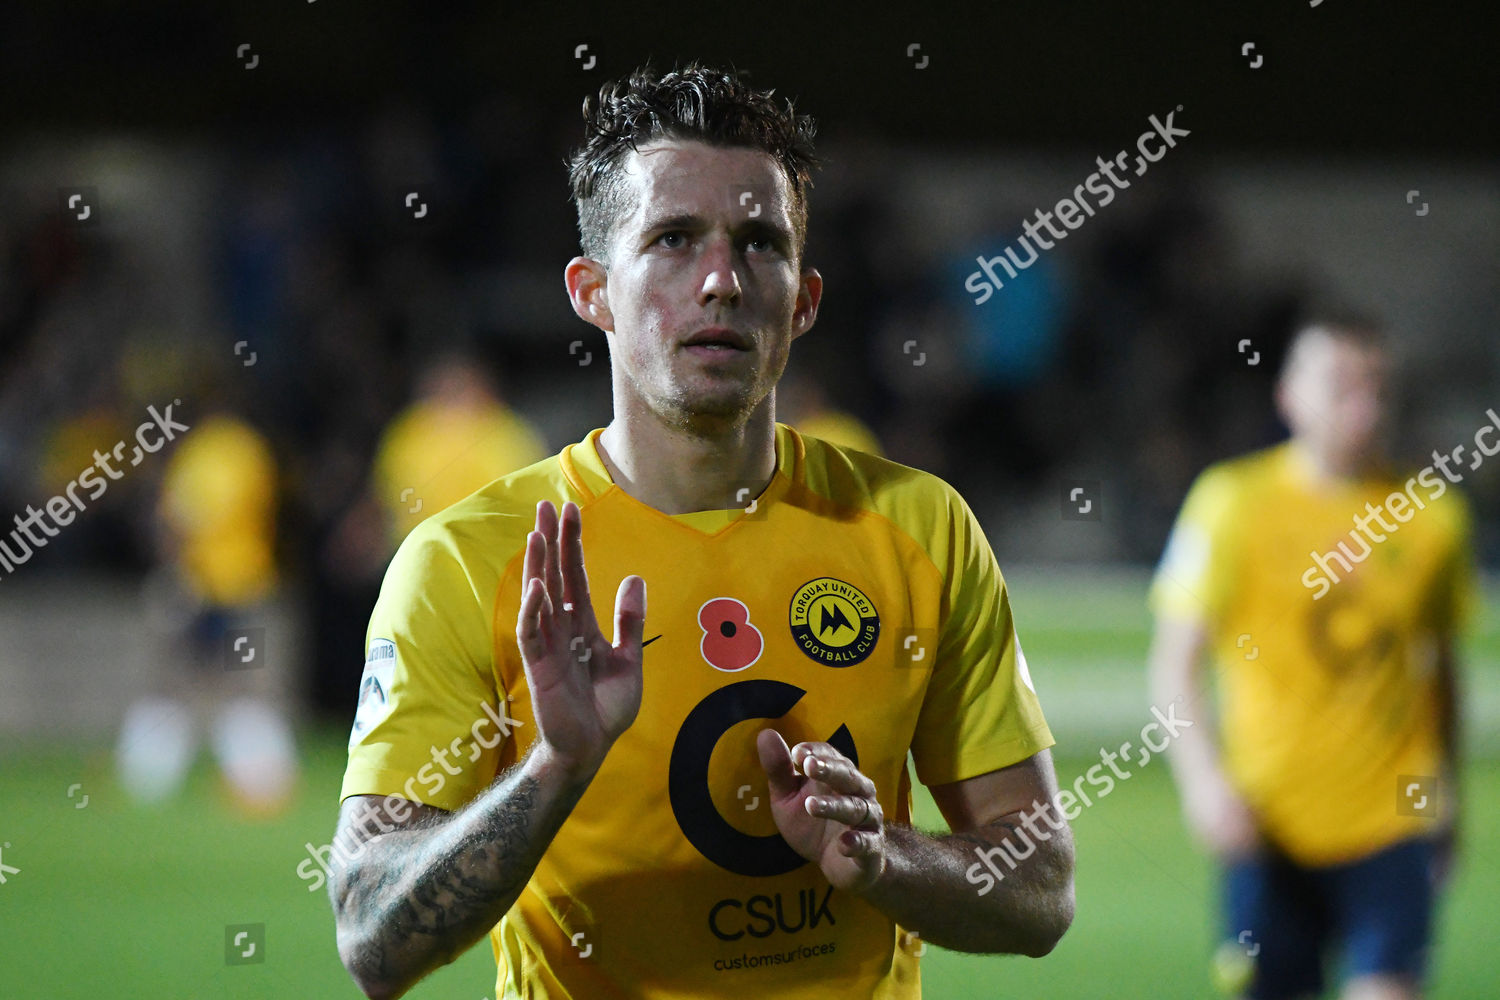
1193 580
428 727
980 712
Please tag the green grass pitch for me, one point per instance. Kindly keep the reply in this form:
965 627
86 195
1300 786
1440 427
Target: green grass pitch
117 901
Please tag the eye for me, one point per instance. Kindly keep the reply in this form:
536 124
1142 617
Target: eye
765 242
670 234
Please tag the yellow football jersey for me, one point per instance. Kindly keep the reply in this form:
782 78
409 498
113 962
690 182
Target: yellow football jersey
856 601
218 498
1325 636
433 455
841 429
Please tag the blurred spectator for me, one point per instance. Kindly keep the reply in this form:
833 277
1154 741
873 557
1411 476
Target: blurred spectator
1011 337
293 255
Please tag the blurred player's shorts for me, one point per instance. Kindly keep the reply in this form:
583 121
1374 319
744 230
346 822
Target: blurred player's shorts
208 633
1282 918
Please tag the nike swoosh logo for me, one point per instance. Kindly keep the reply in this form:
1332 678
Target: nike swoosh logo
651 640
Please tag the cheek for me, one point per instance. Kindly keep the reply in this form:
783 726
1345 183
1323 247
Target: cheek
644 345
652 311
785 290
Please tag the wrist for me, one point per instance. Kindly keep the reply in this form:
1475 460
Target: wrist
892 858
552 765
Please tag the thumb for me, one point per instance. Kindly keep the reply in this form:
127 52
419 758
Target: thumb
630 612
776 760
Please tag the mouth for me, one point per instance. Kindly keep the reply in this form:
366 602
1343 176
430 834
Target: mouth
718 339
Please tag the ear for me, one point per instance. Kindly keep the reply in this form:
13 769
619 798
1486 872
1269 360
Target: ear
809 294
587 282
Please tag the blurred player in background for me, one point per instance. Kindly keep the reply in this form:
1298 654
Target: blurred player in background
804 405
643 829
216 532
455 437
1331 799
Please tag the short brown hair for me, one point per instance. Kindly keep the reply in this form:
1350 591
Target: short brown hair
696 102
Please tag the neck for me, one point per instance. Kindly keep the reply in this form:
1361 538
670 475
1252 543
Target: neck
679 470
1328 469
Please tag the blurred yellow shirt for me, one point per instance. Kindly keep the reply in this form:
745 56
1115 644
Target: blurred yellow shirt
433 455
68 449
1327 687
219 501
842 429
858 602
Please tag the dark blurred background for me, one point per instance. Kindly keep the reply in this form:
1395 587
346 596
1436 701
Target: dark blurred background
331 235
251 244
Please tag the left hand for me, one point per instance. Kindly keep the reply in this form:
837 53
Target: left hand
825 809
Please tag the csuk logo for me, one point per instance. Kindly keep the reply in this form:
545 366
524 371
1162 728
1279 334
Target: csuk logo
688 786
762 916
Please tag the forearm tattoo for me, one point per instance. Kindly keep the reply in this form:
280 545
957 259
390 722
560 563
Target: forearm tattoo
427 896
487 866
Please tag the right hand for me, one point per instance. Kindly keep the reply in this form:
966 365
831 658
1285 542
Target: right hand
1220 818
584 692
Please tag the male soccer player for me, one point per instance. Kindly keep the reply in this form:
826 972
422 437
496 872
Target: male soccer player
1328 590
216 526
724 813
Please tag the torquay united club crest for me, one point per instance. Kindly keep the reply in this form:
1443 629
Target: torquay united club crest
833 622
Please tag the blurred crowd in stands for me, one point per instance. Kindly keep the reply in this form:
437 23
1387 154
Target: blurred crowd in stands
363 358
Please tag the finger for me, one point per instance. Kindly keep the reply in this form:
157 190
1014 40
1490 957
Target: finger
841 775
630 612
574 576
546 518
528 624
547 524
776 761
549 613
535 566
531 569
803 751
852 811
836 771
857 844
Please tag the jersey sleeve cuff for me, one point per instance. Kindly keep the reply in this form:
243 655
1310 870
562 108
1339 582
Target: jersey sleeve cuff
363 780
986 757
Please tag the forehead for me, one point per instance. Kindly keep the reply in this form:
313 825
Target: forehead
1334 351
1332 361
686 176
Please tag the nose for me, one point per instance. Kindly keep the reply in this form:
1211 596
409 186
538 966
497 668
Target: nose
1362 411
721 282
1366 410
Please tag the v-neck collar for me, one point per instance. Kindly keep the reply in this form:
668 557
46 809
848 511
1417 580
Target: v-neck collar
583 465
